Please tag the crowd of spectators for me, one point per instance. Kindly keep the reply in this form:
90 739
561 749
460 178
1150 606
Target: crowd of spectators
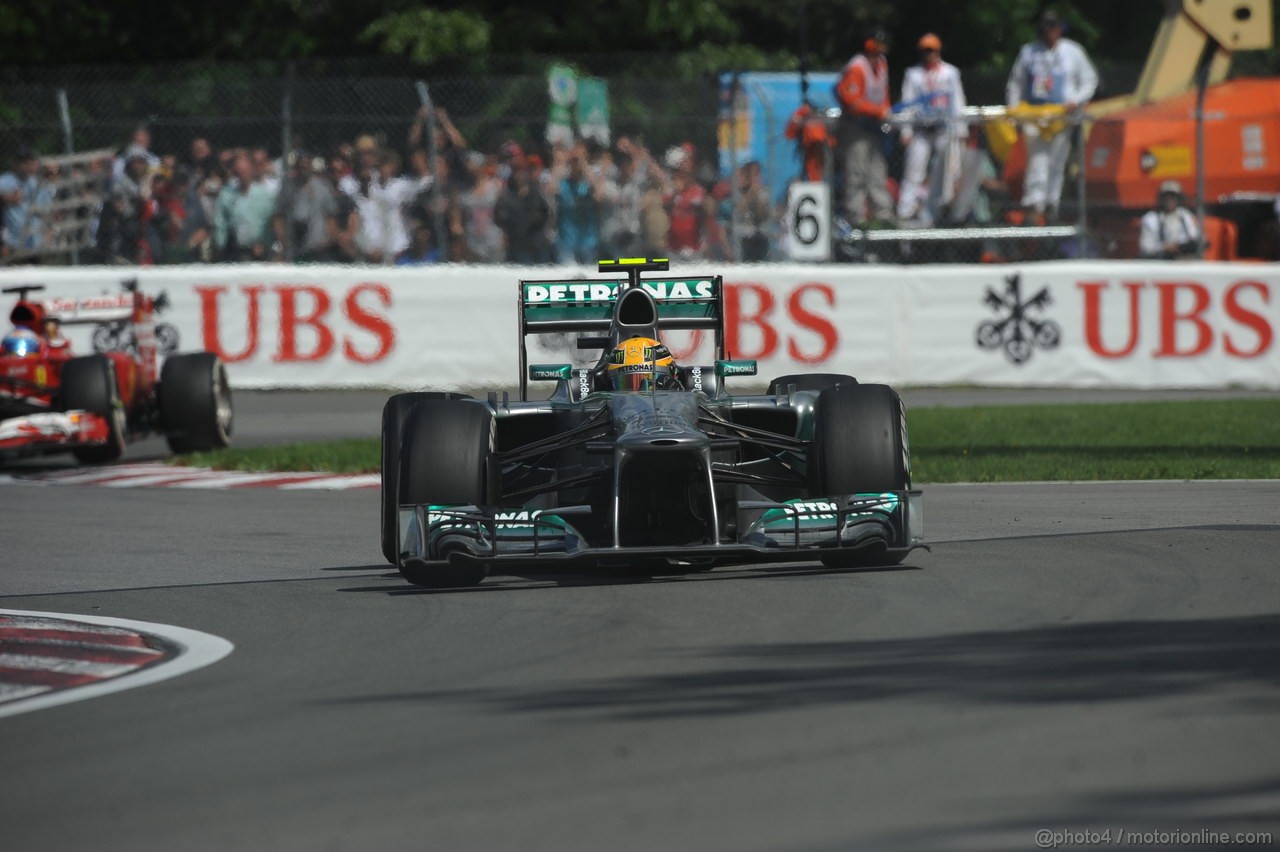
374 201
22 192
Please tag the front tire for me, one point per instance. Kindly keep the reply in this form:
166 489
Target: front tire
860 442
394 414
446 451
89 384
860 446
195 403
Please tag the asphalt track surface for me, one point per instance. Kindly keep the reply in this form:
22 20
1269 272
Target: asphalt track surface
1067 657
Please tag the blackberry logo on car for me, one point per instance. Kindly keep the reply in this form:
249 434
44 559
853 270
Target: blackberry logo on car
1019 332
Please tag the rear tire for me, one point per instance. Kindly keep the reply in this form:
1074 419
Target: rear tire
89 384
394 413
446 450
810 382
195 403
860 445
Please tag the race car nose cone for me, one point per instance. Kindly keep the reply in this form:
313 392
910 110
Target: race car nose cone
659 422
662 437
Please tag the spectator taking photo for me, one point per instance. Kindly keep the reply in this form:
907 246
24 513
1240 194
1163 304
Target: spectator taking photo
1169 232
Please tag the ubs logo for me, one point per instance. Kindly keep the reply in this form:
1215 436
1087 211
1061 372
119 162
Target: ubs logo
1018 332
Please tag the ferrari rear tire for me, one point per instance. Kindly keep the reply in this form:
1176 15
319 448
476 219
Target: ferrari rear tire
446 459
196 413
860 445
394 413
810 381
89 384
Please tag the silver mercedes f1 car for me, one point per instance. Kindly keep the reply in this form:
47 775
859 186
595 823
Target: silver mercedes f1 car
636 461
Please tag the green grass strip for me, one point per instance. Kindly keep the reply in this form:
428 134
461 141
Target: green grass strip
353 455
1212 439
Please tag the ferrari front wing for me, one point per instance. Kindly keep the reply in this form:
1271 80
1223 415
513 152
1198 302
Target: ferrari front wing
51 430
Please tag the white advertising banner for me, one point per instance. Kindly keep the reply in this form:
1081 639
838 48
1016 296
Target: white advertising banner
1067 324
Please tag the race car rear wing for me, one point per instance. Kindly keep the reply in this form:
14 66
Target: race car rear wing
585 307
116 307
85 310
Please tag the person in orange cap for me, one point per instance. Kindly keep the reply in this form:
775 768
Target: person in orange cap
863 93
933 99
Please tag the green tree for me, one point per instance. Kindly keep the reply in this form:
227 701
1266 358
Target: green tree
695 34
425 34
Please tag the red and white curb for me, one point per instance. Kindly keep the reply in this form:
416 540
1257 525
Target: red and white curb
51 658
158 475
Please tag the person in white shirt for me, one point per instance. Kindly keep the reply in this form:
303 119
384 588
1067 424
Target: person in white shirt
139 146
1053 70
1170 232
381 197
933 97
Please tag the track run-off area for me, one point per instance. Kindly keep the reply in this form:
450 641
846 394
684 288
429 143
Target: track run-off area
1068 657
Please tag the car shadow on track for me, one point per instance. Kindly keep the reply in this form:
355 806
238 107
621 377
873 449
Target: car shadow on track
551 579
1236 659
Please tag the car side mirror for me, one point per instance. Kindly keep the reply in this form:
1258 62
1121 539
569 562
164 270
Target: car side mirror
724 369
550 372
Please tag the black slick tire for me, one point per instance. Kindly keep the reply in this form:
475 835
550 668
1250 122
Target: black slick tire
89 384
394 413
446 449
859 441
195 403
860 446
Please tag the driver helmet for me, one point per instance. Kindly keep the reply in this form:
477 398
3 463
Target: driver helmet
641 364
22 342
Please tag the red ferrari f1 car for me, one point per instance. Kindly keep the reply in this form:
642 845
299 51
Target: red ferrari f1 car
92 405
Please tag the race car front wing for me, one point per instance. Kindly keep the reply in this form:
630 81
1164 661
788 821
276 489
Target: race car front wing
889 523
52 430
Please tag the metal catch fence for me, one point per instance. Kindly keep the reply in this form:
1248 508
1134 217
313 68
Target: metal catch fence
538 162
